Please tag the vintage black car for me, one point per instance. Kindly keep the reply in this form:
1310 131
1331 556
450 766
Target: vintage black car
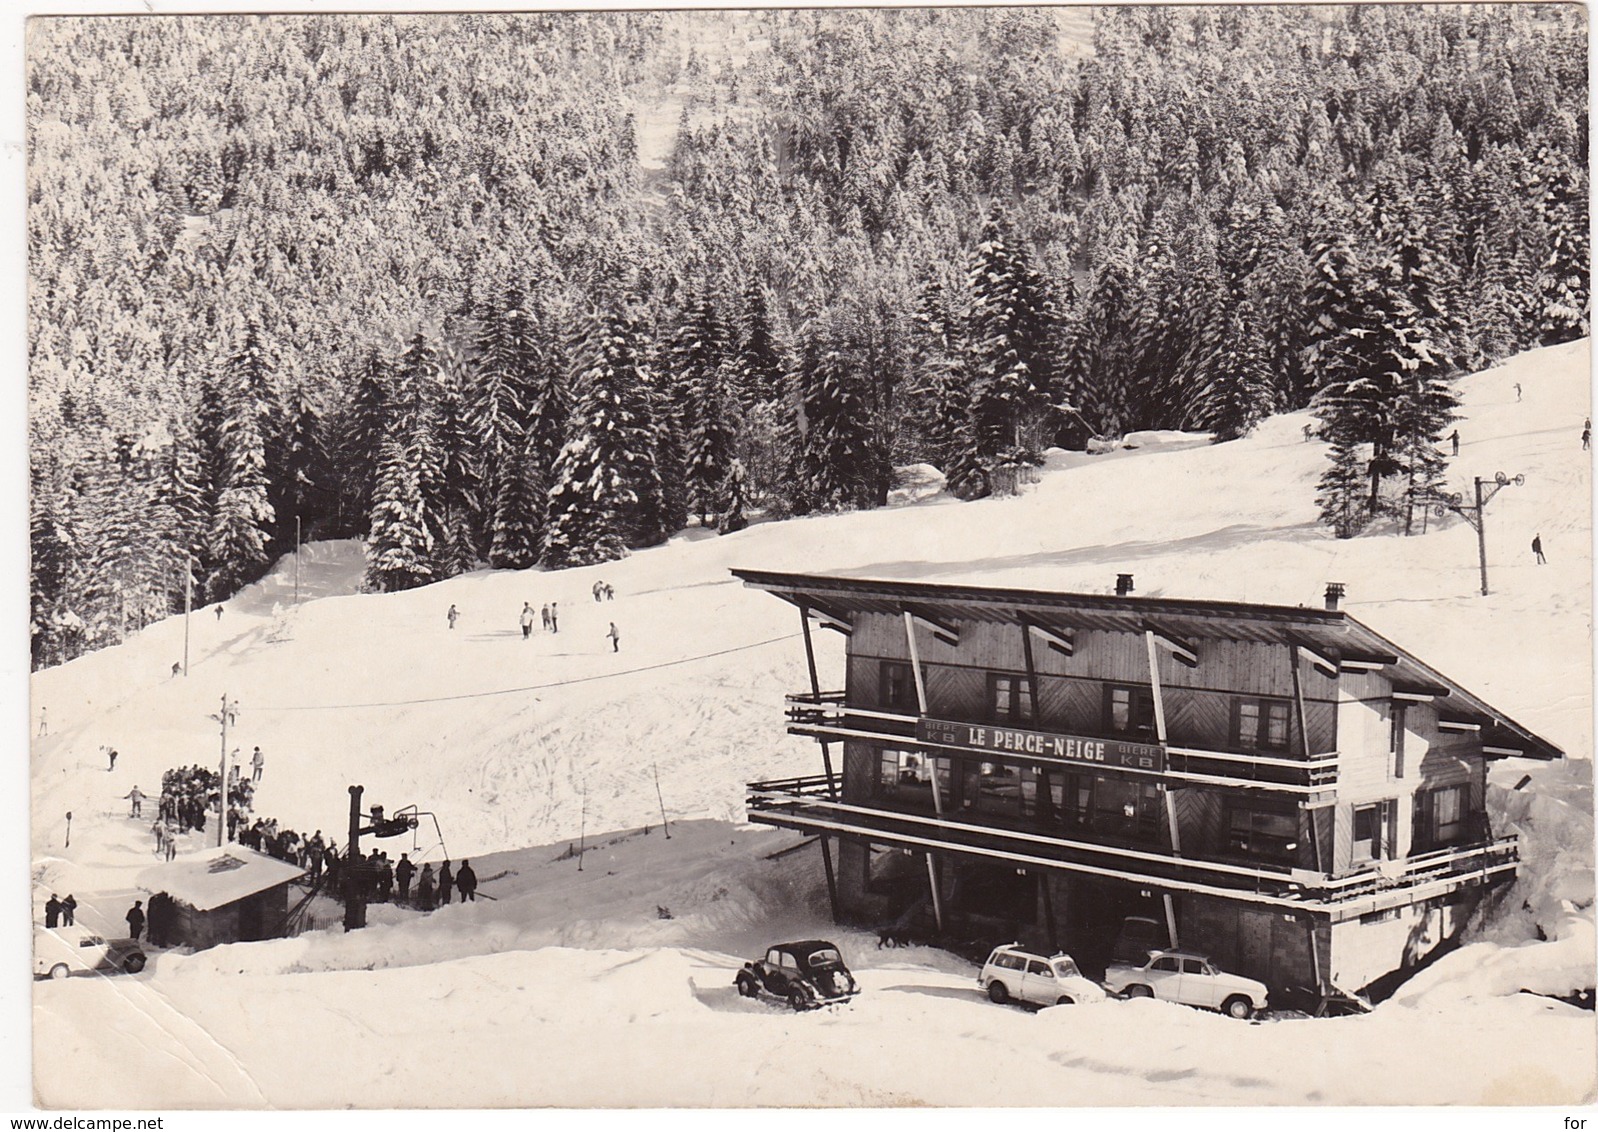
805 975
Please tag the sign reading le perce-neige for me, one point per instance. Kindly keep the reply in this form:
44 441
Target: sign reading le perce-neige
1071 748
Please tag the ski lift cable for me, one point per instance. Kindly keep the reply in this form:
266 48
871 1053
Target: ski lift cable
532 687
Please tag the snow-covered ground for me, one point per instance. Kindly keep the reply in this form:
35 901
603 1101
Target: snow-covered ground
518 744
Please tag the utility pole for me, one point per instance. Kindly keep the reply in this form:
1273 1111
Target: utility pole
188 601
659 798
354 875
228 714
582 830
296 560
1476 515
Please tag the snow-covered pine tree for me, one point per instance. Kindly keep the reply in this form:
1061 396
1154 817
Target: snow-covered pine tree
518 524
506 358
758 363
244 514
415 424
300 487
700 358
607 488
461 488
833 462
1237 391
1343 497
734 499
399 547
365 424
1564 285
1010 328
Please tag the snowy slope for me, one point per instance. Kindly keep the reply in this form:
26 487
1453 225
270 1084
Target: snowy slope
526 743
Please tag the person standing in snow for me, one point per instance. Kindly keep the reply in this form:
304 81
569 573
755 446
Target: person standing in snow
135 798
219 613
610 592
554 617
69 911
135 919
466 881
1517 391
52 911
1454 439
159 830
446 881
453 615
527 620
171 839
1537 549
615 638
544 613
385 880
257 764
1309 431
1586 443
424 889
44 721
598 588
403 873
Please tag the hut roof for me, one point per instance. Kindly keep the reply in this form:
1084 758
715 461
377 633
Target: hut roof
216 877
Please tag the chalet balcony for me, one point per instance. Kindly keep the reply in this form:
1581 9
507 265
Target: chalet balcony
827 716
809 804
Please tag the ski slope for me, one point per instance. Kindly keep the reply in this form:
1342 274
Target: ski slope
521 746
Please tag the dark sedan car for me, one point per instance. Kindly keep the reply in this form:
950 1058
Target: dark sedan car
805 975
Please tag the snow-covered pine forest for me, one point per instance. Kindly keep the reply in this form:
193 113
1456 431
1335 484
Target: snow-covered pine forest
535 289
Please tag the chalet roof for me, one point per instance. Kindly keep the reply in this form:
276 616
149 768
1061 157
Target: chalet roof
1331 634
216 877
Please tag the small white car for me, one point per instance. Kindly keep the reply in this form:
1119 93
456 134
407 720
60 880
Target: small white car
63 951
1012 972
1189 978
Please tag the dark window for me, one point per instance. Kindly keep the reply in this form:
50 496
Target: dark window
1371 842
1193 967
1038 967
990 788
1270 835
1076 800
1441 817
1009 699
907 775
1125 808
1260 725
1164 963
897 687
1128 710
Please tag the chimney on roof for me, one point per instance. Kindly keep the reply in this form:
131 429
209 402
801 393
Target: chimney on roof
1334 594
1123 585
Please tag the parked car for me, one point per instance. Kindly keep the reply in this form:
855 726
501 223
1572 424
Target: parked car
805 974
1137 937
1012 972
1188 978
58 952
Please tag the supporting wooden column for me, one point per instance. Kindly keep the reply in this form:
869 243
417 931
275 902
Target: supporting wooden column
1170 920
815 689
1031 674
1048 911
1303 746
932 764
832 879
1159 731
937 897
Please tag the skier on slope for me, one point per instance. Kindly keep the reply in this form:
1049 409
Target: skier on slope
615 638
257 764
453 615
527 620
544 613
135 798
466 881
1537 549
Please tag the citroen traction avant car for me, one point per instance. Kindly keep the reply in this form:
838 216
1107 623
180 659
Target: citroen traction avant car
1012 972
805 974
1188 978
59 952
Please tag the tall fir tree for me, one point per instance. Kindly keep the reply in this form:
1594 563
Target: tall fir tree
606 491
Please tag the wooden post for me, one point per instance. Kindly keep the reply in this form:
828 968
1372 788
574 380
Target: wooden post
815 690
1031 673
354 874
832 880
1159 731
937 788
1303 745
1170 919
1481 536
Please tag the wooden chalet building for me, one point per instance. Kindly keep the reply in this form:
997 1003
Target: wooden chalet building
226 894
1282 788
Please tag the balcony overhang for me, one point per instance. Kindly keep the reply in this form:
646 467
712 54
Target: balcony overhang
798 805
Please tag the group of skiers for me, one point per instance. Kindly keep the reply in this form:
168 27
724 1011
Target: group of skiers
166 837
380 878
550 616
604 591
263 836
60 912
